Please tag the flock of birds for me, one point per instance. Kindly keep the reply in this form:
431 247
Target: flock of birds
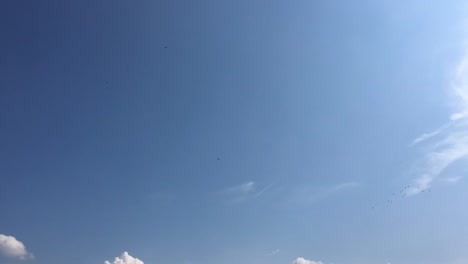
403 193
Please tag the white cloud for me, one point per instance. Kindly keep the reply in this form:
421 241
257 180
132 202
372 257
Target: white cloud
457 116
306 261
11 247
264 189
244 188
460 87
240 192
452 179
443 153
452 143
310 193
247 187
343 186
432 134
125 259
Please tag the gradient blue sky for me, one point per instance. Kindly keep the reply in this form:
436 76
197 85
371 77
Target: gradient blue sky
113 115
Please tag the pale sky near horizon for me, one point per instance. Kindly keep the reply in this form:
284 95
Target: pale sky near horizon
253 132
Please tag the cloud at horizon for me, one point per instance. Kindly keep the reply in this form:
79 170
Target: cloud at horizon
306 261
13 248
125 258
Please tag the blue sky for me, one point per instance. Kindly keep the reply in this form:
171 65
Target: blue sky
206 132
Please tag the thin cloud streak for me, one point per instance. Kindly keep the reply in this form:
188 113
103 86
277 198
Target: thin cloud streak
430 135
452 148
309 194
343 186
453 145
264 190
244 192
239 193
306 261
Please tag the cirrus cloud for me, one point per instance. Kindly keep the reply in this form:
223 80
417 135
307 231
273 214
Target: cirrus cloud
239 193
449 143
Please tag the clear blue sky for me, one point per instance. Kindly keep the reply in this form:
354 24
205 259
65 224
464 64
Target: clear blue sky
253 132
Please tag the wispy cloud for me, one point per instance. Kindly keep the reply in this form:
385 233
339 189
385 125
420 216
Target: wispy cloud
452 143
452 179
240 193
244 192
429 135
309 194
342 187
13 248
264 190
306 261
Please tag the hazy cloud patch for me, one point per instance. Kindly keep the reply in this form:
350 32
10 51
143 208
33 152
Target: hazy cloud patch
240 193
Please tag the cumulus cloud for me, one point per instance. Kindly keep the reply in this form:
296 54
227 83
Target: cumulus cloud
13 248
306 261
125 259
450 142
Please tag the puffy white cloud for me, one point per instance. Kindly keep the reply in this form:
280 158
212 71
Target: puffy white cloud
125 259
306 261
11 247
